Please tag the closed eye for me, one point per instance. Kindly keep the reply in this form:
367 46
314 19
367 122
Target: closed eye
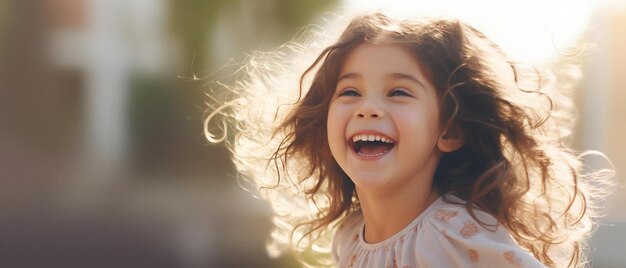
399 92
350 92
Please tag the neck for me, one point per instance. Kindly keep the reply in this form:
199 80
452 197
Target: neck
386 215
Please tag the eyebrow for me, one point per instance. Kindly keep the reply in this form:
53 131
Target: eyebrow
349 76
392 75
407 76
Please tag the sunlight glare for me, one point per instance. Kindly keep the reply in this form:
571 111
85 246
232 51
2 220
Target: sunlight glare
533 30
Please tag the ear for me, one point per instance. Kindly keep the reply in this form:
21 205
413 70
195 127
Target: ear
450 140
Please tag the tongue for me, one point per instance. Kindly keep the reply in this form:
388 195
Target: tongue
373 149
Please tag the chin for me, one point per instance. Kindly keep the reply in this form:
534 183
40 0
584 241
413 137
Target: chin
369 180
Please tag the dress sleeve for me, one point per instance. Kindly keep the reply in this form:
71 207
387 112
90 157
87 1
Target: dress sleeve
452 238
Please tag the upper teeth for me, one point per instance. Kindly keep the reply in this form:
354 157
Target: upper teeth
365 137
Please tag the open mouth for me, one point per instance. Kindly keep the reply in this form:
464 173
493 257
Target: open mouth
368 145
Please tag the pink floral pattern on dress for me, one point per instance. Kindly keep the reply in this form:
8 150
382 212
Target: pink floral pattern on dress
445 215
512 259
444 223
473 255
469 229
352 260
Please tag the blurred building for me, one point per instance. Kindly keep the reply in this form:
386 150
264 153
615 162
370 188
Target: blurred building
102 156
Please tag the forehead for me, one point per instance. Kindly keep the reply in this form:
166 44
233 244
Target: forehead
371 59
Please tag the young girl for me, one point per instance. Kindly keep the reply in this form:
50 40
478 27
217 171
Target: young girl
411 143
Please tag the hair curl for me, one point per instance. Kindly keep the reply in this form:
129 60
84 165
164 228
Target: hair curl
515 163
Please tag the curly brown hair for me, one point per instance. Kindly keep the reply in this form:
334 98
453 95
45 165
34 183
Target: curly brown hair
514 163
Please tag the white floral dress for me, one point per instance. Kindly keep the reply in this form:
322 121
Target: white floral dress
444 235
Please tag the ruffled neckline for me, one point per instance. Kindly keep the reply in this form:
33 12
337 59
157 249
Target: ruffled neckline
414 224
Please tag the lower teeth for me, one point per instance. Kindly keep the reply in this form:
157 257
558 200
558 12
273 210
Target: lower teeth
378 154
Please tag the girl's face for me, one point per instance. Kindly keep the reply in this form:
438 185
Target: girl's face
383 120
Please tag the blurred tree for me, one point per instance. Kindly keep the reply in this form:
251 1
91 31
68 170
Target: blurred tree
194 21
166 115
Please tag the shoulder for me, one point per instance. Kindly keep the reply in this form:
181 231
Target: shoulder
346 235
454 220
450 236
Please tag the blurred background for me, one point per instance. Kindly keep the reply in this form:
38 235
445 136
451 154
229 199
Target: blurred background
103 162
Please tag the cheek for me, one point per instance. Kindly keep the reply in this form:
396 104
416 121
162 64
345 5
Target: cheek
336 125
417 122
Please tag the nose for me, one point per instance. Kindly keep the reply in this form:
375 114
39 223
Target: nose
369 110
